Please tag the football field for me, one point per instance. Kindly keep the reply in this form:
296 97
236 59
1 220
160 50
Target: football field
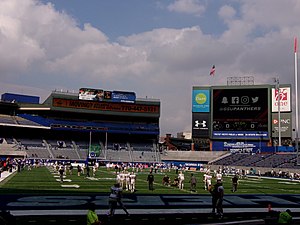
38 196
46 180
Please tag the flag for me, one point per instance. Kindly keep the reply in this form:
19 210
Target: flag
212 70
295 45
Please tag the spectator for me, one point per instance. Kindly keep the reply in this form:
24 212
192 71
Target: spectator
285 217
6 218
92 217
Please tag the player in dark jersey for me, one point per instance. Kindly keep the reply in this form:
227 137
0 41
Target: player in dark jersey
235 180
115 198
150 180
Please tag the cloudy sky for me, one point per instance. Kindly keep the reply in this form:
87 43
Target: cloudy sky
157 48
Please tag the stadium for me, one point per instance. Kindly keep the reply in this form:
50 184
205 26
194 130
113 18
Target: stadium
236 129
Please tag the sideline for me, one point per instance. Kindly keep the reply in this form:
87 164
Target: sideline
6 174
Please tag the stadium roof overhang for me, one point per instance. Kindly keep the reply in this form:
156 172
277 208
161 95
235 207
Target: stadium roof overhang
24 126
35 108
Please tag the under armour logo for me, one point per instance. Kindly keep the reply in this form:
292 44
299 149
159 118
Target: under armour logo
197 123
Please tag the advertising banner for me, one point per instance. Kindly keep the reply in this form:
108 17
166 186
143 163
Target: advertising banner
284 99
122 96
201 124
201 101
105 106
285 124
239 146
101 95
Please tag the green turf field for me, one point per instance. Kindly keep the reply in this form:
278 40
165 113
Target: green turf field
43 180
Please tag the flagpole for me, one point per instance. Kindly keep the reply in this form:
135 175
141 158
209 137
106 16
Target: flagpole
296 96
90 144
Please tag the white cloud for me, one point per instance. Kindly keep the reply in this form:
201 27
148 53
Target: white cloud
271 13
46 49
227 12
32 33
193 7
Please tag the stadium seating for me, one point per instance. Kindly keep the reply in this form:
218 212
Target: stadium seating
142 147
269 160
200 156
16 120
118 156
144 156
7 119
120 127
291 164
275 160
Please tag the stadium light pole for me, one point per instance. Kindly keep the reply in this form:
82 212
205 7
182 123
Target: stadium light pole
105 149
296 96
90 145
260 137
278 103
106 140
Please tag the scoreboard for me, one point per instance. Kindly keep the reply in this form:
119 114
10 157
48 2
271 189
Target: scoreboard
240 112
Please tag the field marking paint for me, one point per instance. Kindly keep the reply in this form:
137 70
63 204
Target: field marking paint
70 186
101 178
286 182
253 179
250 181
59 176
65 180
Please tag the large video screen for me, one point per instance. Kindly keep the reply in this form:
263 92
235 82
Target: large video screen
240 113
103 95
91 94
121 96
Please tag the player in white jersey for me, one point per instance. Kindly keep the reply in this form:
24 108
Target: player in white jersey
205 181
127 181
94 170
181 180
118 179
122 180
208 181
132 182
219 176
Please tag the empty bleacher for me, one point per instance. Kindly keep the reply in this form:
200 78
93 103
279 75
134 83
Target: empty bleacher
143 147
275 160
25 122
6 119
9 147
17 121
292 163
144 156
118 155
200 156
264 161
